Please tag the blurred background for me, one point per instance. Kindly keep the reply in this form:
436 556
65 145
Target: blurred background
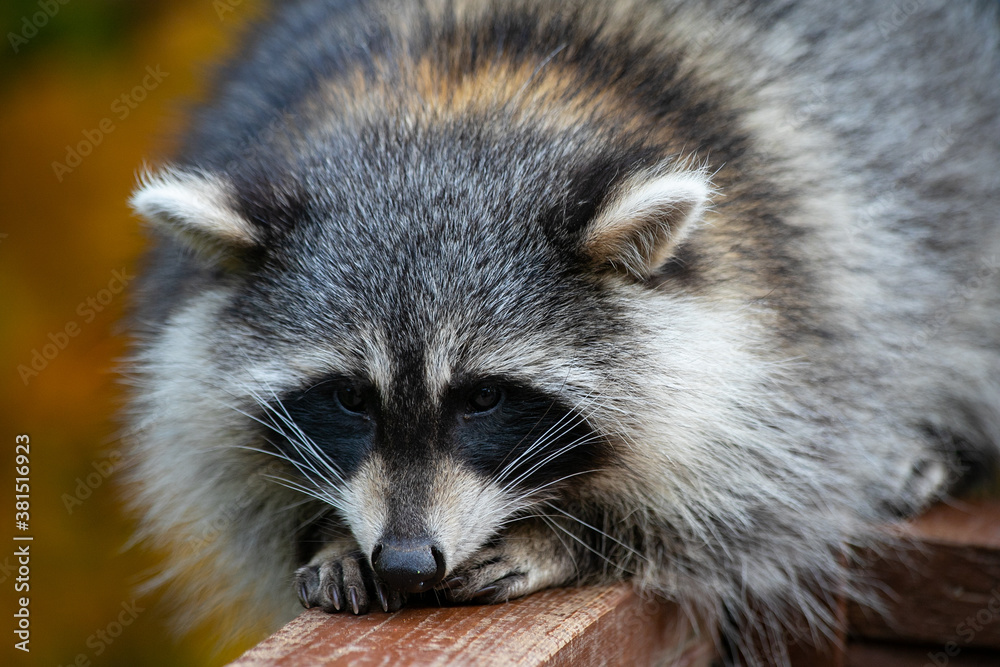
89 89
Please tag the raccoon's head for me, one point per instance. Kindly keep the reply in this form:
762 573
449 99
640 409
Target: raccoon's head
436 328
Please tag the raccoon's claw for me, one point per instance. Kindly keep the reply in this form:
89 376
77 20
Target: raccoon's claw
389 599
344 582
333 593
303 591
359 601
486 592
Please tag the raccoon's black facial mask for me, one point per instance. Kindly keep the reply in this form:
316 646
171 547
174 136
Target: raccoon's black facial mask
524 437
338 416
503 430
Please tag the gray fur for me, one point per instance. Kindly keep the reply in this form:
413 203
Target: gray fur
759 382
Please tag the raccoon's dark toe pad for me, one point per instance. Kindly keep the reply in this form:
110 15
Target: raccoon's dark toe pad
344 583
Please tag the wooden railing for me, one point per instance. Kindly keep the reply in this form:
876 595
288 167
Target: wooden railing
944 610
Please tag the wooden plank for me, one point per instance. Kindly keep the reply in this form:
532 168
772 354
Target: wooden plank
946 588
867 654
607 625
946 595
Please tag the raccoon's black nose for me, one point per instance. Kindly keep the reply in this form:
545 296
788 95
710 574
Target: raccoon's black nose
410 566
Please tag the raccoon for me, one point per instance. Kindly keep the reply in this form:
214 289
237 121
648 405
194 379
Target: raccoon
463 299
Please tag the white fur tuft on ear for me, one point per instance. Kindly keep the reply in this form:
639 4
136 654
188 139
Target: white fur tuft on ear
640 227
195 208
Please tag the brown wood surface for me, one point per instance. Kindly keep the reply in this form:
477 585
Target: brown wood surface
608 625
947 577
871 654
946 586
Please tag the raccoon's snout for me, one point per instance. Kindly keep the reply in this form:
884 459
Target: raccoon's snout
409 566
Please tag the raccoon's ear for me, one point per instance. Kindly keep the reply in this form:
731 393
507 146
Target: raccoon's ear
195 208
637 230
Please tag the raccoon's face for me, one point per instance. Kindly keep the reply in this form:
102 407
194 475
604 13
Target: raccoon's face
432 341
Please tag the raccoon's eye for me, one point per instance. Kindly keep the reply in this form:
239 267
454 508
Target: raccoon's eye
484 398
352 399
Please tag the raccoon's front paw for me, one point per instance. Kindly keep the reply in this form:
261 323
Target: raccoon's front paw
338 582
490 576
509 569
